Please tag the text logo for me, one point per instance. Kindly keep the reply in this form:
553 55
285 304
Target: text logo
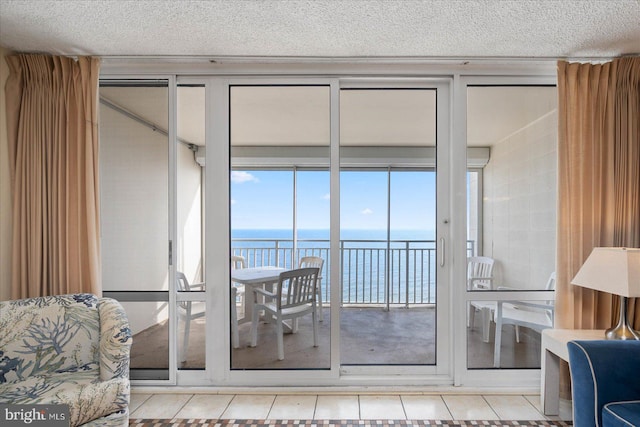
34 415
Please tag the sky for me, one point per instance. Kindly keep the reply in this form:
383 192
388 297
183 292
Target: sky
264 200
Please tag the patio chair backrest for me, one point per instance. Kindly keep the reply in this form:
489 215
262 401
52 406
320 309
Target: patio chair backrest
551 286
297 287
312 261
238 262
183 286
479 272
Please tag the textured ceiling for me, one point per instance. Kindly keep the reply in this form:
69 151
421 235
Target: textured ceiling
324 28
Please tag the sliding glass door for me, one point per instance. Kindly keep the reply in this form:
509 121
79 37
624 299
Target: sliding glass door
361 197
134 172
507 291
261 177
152 178
388 237
279 204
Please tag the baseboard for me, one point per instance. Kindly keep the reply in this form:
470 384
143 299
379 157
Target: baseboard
320 390
566 409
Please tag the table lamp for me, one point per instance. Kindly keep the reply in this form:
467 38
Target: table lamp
617 271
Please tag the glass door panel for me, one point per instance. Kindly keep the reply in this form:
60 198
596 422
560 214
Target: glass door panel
312 228
261 218
413 239
189 250
364 249
388 226
279 203
511 208
134 192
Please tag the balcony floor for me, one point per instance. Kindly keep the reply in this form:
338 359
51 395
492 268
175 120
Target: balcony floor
370 336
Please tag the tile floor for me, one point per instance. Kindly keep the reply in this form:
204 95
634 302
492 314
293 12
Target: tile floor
335 406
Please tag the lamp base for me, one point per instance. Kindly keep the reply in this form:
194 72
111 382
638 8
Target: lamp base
622 331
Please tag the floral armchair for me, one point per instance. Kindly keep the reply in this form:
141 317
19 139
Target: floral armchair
69 349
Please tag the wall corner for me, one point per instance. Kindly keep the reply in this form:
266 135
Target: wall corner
5 188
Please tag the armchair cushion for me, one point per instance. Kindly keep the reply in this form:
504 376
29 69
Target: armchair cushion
69 349
623 414
603 372
88 397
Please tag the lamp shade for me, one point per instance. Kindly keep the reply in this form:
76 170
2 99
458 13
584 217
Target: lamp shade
613 270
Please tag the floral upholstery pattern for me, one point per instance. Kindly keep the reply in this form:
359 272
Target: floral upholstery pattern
71 349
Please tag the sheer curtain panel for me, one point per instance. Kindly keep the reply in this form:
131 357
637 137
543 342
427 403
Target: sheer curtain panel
52 131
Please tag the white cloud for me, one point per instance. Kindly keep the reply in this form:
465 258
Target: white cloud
240 176
233 202
326 196
366 211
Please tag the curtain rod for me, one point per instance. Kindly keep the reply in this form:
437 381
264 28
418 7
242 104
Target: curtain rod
133 116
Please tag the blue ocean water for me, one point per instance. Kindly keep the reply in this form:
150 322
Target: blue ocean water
409 276
352 234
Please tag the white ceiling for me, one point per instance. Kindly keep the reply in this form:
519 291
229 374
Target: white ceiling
324 28
285 116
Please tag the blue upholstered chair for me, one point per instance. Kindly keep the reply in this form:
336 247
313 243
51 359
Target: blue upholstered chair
605 380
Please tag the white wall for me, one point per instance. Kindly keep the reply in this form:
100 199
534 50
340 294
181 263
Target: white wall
134 212
189 195
135 209
5 188
520 205
473 220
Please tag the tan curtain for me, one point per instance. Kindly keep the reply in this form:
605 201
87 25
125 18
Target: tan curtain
599 179
598 184
52 131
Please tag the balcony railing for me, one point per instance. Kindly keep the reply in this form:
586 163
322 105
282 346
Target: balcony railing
373 271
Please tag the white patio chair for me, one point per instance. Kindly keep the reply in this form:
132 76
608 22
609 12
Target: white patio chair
480 277
294 296
185 311
237 262
536 315
315 261
480 273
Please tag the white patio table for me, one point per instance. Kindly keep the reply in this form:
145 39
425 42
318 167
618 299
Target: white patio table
251 278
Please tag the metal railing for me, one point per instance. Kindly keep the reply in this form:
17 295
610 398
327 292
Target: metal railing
373 271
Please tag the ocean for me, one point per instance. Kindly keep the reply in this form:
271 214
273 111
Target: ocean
408 278
323 234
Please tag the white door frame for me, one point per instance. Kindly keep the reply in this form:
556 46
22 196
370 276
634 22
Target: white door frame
459 73
442 372
526 380
217 238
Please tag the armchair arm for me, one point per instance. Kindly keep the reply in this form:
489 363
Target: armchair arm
508 288
530 305
197 286
115 340
264 293
480 282
602 371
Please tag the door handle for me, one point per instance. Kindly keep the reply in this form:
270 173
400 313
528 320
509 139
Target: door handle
442 252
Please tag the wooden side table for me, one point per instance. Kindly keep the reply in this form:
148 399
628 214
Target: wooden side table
554 348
